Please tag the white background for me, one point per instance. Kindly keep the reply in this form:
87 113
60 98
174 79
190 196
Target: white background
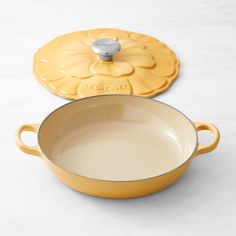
203 202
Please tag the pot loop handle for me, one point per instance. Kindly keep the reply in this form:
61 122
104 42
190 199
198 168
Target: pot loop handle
201 149
32 150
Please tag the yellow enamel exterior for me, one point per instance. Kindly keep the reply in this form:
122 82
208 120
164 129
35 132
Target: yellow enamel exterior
69 68
118 189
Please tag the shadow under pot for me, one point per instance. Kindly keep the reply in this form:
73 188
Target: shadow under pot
117 146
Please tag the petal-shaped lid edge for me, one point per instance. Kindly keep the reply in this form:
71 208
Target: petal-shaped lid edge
134 64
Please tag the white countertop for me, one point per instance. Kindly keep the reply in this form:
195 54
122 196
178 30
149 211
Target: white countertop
203 202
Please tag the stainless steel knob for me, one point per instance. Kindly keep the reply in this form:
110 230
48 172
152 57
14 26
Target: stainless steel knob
106 48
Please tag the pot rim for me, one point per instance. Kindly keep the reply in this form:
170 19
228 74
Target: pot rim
118 181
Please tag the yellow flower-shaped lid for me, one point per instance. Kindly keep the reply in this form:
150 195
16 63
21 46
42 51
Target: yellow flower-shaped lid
105 61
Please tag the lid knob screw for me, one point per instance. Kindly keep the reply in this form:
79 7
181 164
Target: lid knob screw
106 48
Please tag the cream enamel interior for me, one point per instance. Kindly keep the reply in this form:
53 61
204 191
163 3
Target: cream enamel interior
117 138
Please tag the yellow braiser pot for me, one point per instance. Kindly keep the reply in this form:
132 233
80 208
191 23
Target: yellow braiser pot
117 146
